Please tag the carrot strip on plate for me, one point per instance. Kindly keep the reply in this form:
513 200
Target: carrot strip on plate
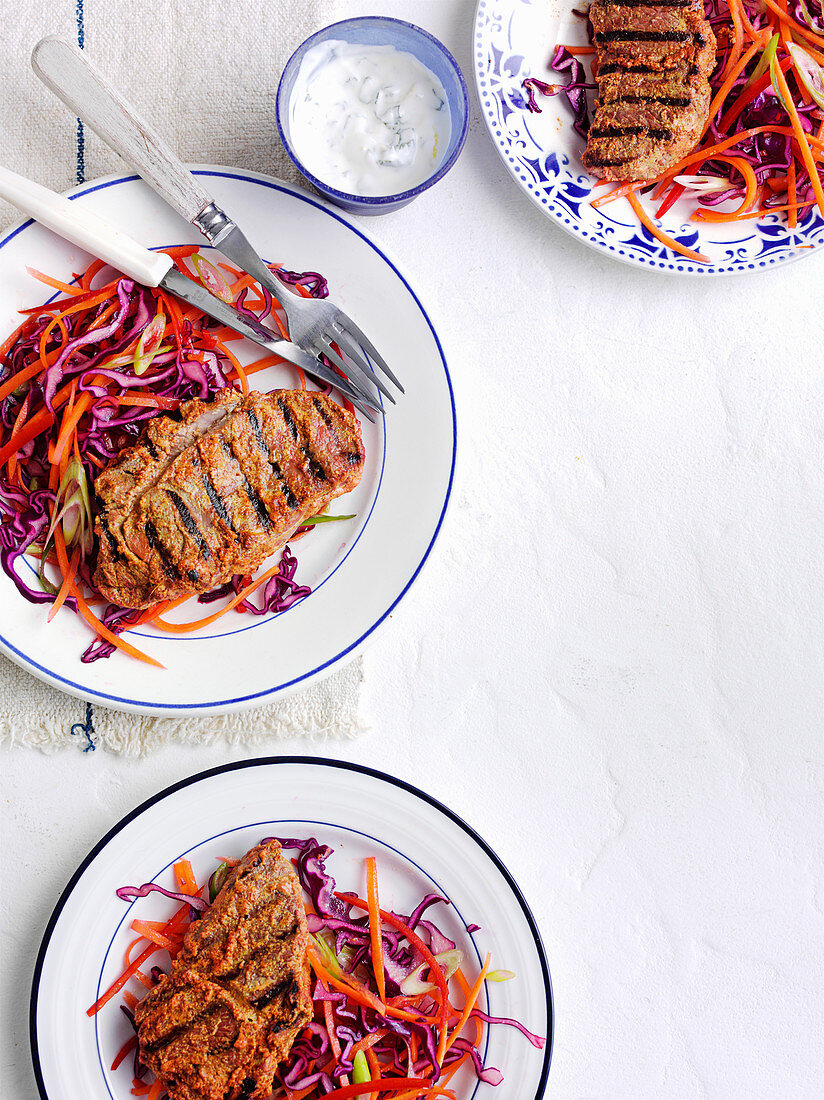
471 1001
802 137
185 628
127 1048
375 925
659 234
185 876
66 585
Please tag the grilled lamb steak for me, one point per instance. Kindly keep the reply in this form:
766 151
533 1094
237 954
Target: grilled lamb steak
653 60
219 1025
212 493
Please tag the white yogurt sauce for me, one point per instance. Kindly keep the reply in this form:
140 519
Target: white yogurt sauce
368 120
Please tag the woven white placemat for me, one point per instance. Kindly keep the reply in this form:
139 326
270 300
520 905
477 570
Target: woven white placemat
206 74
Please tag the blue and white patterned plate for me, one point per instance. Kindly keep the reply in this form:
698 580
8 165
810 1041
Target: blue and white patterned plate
515 39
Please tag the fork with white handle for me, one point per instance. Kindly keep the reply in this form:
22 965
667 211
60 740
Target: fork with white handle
314 324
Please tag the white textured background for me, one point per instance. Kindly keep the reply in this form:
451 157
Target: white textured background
612 666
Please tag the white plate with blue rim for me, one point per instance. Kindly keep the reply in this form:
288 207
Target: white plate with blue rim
359 570
420 846
516 39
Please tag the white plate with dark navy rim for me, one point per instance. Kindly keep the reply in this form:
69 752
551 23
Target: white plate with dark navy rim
516 39
420 845
358 570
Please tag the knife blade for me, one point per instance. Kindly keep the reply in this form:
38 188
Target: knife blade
74 222
182 287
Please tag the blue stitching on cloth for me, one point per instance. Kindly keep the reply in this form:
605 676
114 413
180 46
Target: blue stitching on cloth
86 728
81 135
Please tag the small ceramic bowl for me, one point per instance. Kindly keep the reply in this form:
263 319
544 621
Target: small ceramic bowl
382 31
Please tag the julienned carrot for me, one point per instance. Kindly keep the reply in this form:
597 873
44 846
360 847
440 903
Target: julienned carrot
471 1001
388 1084
435 972
738 33
66 585
238 369
144 929
375 925
619 192
70 421
155 1091
798 28
127 1047
354 989
184 628
731 78
147 401
792 215
56 284
368 1041
187 883
374 1065
659 234
116 986
801 136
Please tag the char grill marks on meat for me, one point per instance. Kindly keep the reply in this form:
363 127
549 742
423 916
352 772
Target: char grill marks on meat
219 1025
653 59
213 492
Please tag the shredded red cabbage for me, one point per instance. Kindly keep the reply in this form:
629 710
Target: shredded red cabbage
406 1047
93 356
575 90
129 893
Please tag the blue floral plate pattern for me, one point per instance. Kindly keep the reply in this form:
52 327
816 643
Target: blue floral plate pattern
515 39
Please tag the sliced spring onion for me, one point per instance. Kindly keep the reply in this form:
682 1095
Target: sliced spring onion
217 881
808 18
449 962
773 81
764 61
500 975
809 71
329 957
324 519
360 1069
149 344
74 509
705 184
212 278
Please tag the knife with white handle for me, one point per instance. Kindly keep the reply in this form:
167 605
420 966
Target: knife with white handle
75 223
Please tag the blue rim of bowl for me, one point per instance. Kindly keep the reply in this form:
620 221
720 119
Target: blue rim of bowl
343 765
401 196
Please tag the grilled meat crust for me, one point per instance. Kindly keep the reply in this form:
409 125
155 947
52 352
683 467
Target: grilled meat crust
219 1025
211 493
653 60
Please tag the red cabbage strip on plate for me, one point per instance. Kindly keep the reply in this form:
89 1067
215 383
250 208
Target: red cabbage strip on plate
356 1038
78 381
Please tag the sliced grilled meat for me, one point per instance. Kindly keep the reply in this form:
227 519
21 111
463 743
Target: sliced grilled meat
213 492
219 1025
653 61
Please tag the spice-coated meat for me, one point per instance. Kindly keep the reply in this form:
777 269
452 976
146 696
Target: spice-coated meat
212 492
653 61
221 1022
